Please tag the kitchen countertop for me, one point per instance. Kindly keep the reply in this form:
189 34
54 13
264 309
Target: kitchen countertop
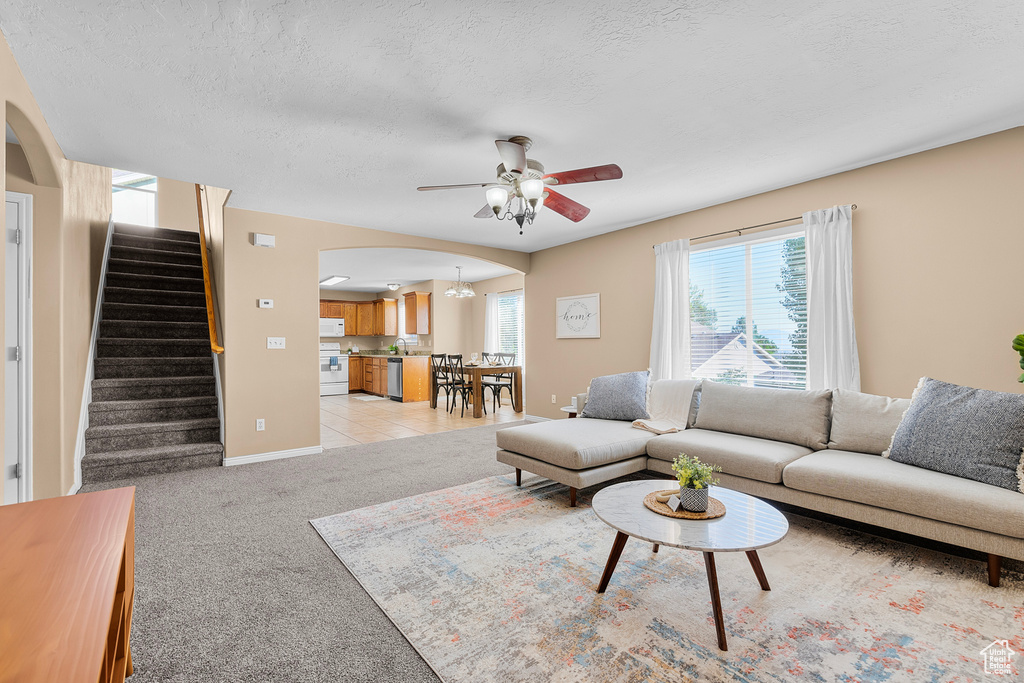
379 354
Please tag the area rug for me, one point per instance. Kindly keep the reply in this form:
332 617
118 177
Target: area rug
370 398
496 583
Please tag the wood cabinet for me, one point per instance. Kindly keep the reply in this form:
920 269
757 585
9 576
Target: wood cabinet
331 309
351 318
355 373
385 317
364 318
415 378
323 308
375 375
68 584
417 312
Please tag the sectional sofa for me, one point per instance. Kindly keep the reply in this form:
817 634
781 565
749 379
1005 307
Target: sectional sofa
819 450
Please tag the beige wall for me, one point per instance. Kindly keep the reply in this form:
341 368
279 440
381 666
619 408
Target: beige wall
282 386
937 247
176 205
71 205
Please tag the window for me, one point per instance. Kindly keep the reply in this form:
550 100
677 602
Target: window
748 311
410 339
134 198
511 325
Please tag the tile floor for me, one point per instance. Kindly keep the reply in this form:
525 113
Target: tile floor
347 420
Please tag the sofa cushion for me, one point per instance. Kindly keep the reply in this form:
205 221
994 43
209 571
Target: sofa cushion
864 423
868 479
575 444
799 417
971 433
618 397
741 456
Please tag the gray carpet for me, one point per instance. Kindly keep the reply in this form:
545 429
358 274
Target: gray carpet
233 584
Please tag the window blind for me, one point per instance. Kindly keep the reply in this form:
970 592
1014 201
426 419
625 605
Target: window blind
748 311
511 325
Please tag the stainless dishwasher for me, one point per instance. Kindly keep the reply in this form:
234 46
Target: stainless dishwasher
395 379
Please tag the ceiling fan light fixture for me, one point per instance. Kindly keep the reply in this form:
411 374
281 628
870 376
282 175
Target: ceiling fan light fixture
496 198
333 280
532 190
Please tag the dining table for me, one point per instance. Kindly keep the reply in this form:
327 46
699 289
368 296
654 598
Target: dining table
476 373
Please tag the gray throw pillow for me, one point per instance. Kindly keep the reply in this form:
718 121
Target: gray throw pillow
618 397
970 433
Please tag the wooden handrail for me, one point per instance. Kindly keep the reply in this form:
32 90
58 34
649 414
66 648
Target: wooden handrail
214 345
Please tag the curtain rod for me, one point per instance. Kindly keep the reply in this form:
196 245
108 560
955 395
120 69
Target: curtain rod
853 207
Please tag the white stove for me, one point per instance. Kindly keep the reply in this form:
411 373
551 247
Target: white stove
333 370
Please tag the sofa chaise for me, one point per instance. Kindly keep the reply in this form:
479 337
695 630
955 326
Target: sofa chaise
819 450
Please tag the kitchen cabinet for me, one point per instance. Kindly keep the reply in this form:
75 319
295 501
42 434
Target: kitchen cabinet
415 378
355 373
323 308
417 312
364 318
375 375
385 317
331 309
351 317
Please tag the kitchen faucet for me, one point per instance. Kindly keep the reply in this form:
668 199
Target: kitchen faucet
404 343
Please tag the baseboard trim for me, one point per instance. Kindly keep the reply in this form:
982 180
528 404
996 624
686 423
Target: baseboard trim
74 488
273 455
536 418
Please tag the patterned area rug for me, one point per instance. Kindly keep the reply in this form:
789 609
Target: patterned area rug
490 582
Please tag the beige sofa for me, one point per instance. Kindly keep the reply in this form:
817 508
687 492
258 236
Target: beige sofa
816 450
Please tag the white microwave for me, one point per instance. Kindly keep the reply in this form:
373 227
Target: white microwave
332 327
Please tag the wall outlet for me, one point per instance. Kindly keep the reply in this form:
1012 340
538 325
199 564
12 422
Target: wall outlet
275 342
266 303
261 424
553 399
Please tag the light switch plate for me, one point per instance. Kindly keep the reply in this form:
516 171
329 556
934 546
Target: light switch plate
266 303
275 342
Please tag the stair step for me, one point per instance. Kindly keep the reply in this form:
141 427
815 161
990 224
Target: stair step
155 255
116 265
123 437
176 314
161 282
157 243
129 388
162 233
128 367
123 295
151 410
152 348
153 329
111 465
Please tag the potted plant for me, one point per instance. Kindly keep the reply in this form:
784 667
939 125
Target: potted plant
393 349
694 479
1018 346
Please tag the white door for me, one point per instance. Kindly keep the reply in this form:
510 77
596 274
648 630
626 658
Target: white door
17 464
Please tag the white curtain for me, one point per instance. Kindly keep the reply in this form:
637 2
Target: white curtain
670 334
832 361
491 343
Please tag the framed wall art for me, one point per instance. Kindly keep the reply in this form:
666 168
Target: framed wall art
578 317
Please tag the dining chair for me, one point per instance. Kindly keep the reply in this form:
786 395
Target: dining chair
498 382
442 378
459 384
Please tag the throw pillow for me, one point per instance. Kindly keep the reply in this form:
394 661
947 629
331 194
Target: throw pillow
864 423
618 397
970 433
799 417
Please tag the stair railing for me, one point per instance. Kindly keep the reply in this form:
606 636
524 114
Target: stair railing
214 343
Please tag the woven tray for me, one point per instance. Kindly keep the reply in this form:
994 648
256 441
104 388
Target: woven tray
716 508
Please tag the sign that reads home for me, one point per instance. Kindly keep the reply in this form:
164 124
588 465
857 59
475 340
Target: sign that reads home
578 317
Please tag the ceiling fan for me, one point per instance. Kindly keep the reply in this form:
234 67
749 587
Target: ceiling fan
522 182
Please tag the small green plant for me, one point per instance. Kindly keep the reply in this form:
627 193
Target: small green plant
694 474
1018 346
393 348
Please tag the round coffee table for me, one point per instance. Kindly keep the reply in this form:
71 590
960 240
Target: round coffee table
748 524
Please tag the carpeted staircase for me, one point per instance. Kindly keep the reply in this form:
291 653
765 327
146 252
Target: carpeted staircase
154 406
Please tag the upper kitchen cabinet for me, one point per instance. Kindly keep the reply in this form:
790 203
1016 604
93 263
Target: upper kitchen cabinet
417 312
351 315
364 319
385 317
335 309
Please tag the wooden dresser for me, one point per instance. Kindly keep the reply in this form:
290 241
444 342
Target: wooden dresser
67 570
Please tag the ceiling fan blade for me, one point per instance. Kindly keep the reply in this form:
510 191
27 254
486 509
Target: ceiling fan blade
512 155
585 175
574 211
452 187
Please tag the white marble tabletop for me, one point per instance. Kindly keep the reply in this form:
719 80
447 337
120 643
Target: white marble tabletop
748 523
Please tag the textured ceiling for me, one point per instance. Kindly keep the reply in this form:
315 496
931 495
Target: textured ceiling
338 111
371 270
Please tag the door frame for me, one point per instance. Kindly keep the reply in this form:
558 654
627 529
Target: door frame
24 302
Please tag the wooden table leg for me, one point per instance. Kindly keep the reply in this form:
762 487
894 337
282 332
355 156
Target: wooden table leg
519 477
478 396
613 559
517 391
656 547
716 600
755 563
432 388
